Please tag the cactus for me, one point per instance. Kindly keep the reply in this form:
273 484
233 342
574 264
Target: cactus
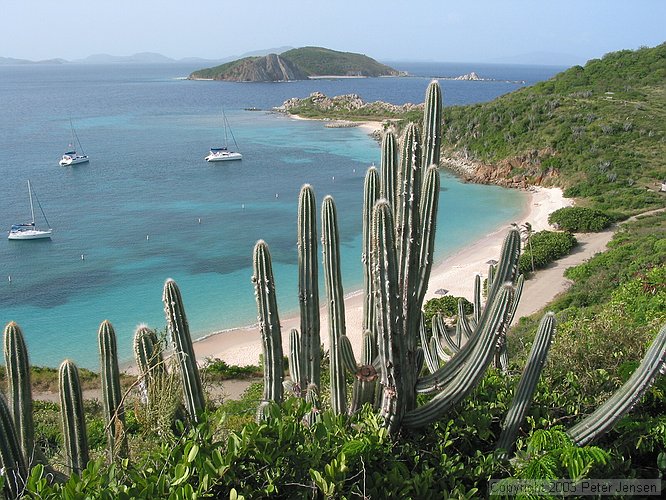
335 302
73 419
528 382
607 415
111 393
269 323
308 289
370 197
149 359
11 458
295 363
389 168
19 390
312 398
432 126
182 342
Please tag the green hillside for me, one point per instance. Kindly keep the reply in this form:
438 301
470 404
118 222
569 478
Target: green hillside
320 61
599 131
302 63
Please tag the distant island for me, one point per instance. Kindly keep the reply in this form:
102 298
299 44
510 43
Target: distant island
296 64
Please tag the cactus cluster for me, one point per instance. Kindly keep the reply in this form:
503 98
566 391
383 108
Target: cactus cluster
399 221
18 451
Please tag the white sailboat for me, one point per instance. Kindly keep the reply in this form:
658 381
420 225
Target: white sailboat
28 230
223 153
71 157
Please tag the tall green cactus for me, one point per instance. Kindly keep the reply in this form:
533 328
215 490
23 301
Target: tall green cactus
528 381
149 358
73 418
335 302
269 323
607 415
389 168
19 389
184 351
370 196
432 126
11 458
111 392
308 289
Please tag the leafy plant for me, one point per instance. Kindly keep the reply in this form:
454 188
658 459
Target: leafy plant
579 219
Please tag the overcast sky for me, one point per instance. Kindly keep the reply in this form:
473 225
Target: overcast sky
530 31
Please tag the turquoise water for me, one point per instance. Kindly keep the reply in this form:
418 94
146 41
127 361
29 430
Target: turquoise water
148 207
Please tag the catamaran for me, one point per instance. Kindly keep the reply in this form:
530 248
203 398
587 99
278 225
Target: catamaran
223 153
28 230
71 157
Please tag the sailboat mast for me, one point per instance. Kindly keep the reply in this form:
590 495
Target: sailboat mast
32 210
75 137
226 139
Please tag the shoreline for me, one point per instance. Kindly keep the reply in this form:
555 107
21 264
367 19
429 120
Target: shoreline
242 346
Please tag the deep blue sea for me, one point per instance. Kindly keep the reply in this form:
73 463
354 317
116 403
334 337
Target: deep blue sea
148 207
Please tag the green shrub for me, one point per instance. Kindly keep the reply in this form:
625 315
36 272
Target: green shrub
544 248
580 219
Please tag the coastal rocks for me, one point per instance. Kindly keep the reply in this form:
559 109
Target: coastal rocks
469 76
348 102
516 172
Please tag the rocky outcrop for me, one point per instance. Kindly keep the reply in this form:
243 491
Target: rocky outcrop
469 76
270 68
347 102
504 173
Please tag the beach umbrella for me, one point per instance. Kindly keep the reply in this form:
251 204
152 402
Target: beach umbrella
441 291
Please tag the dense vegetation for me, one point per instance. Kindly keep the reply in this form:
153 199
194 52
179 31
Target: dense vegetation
579 220
599 131
320 61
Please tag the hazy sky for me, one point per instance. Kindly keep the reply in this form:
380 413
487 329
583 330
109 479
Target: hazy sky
557 31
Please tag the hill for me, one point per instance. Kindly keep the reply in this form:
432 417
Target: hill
296 64
598 131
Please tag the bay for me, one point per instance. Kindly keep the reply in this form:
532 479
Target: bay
147 207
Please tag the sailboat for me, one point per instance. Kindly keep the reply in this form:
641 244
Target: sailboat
28 230
71 157
223 153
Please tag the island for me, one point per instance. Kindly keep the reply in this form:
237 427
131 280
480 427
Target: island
297 64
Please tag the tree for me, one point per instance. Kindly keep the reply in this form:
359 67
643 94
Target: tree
526 233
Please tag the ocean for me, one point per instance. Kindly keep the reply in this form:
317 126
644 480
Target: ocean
148 207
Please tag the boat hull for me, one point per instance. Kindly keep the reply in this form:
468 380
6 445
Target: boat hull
31 234
65 162
224 157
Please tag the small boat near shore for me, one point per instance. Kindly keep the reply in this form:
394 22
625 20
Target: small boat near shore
71 157
28 230
223 153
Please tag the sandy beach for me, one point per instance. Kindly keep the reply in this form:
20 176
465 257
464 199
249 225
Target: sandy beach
455 273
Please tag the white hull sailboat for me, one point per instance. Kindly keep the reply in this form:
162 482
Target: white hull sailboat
71 157
223 153
28 230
